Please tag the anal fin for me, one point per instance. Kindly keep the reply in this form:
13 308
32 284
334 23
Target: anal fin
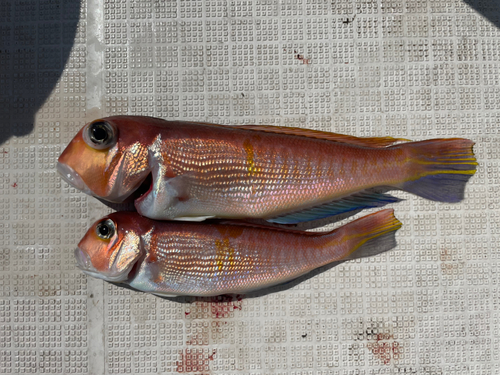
353 202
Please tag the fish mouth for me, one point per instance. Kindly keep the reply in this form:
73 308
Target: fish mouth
83 261
69 175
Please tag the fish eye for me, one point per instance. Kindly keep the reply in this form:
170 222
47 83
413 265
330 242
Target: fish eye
105 229
100 134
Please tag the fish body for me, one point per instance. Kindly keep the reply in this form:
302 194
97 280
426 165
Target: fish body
182 258
285 175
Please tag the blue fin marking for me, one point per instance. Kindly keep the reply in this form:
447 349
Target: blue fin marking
354 202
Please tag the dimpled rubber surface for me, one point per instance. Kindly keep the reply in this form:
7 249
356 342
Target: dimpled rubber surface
413 69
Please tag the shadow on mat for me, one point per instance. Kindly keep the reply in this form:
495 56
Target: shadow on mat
35 44
487 8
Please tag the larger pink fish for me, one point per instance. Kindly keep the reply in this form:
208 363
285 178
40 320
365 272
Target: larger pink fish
174 258
283 175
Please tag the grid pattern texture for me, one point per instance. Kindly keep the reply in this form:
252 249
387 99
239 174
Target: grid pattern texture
405 68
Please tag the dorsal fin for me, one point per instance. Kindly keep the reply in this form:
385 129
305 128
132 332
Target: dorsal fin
377 142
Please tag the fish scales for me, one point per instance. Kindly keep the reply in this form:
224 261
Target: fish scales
267 176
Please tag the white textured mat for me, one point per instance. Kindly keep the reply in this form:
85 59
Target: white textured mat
404 68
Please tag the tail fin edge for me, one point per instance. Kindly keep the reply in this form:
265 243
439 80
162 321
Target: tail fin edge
372 234
440 168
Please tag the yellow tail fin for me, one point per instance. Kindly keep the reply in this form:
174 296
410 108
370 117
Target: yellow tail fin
440 168
370 235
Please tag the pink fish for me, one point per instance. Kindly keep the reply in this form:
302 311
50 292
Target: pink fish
195 259
283 175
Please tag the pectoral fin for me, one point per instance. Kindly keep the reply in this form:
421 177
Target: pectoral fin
162 196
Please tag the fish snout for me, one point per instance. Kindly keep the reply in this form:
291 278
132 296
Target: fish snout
83 260
69 175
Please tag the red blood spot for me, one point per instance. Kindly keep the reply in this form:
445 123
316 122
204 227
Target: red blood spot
383 349
384 336
192 360
14 185
222 306
304 60
219 307
187 313
5 152
211 356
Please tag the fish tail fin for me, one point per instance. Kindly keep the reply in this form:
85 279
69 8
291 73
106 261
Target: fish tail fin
439 168
370 235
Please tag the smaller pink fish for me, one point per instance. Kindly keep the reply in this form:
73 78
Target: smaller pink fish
177 258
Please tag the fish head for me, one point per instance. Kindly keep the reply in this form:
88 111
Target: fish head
108 158
111 247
